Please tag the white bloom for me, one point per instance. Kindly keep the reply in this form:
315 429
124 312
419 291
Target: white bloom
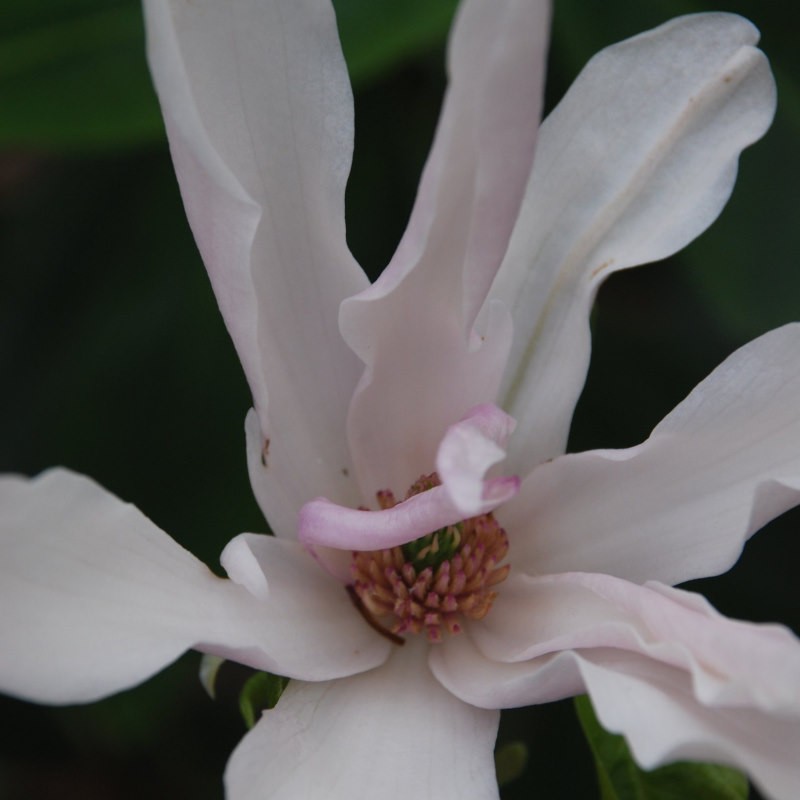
360 389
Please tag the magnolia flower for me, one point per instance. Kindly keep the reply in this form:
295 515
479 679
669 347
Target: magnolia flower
470 589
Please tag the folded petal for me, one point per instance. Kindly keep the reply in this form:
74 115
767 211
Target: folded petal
467 451
636 161
94 598
655 705
676 727
259 115
392 733
731 663
682 504
413 327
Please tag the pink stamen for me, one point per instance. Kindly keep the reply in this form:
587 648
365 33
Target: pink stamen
434 599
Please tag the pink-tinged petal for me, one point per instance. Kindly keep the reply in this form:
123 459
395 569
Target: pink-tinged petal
467 451
731 663
325 523
636 161
259 115
414 327
94 598
654 706
682 504
393 733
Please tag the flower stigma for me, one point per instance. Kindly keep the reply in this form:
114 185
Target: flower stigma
430 584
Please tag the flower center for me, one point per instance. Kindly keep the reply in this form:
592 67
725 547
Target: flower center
431 583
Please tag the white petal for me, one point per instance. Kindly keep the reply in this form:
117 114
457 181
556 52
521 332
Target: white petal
637 160
682 504
654 707
393 733
732 663
412 328
299 622
258 110
94 598
465 670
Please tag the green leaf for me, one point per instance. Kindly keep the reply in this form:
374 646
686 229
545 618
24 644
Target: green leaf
73 75
260 692
378 36
510 760
620 778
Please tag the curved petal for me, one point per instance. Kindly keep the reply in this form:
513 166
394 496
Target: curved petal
652 704
412 328
299 622
94 598
325 523
636 161
680 505
467 451
731 663
392 733
675 727
259 114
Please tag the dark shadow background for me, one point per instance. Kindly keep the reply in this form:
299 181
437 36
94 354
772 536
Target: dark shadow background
115 361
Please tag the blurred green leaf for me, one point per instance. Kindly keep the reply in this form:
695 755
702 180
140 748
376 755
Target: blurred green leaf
746 265
510 760
73 75
378 36
621 778
261 691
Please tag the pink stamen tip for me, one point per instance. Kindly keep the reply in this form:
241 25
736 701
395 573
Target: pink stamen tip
434 635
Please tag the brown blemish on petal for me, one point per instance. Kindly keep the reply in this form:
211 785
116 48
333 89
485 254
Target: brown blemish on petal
265 453
604 265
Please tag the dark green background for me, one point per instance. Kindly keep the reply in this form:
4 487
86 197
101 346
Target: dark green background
115 362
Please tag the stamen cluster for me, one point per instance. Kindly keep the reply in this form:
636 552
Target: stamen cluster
431 583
